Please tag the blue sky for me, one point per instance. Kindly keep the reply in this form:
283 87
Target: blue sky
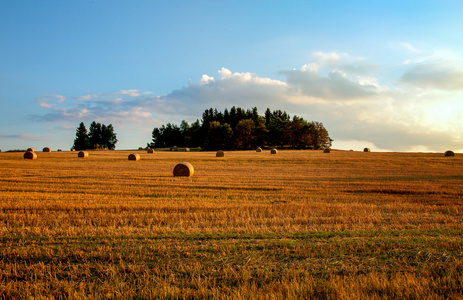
381 74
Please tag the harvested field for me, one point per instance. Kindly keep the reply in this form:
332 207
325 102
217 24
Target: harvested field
300 224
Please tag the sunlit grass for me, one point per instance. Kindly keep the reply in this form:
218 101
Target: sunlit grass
297 224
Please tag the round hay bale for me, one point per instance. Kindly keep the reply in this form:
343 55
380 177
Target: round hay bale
30 150
449 153
259 149
134 156
366 149
59 150
30 155
273 151
73 149
220 154
46 149
326 150
83 154
187 149
184 169
150 150
173 148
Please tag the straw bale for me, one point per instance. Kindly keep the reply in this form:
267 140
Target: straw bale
30 150
30 155
150 150
220 153
259 149
187 149
366 150
449 153
326 150
46 149
184 169
274 151
134 156
83 154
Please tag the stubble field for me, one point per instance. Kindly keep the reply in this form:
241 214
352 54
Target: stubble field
298 224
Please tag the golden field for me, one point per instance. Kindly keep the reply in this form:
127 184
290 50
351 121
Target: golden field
298 224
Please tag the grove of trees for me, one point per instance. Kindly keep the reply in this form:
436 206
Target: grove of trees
99 136
238 128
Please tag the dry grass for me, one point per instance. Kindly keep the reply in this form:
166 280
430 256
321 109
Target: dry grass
297 225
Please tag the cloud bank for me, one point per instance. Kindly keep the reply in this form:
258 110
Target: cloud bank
419 111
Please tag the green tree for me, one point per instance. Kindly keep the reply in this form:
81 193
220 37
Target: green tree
244 134
108 137
261 132
94 135
101 136
81 141
220 136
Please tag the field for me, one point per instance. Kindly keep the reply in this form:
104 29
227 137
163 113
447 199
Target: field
298 224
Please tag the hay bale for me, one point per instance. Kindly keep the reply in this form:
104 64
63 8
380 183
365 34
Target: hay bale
134 156
173 148
30 155
150 150
274 151
73 149
30 150
259 149
449 153
220 154
184 169
46 149
366 149
83 154
326 150
187 149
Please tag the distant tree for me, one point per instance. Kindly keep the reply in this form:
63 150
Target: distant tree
220 136
108 137
94 135
260 133
81 141
244 134
101 136
238 128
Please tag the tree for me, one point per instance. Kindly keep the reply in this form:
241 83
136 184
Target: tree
219 136
94 135
108 137
243 129
101 136
244 134
81 141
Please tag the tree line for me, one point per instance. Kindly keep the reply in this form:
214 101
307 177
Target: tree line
99 136
239 128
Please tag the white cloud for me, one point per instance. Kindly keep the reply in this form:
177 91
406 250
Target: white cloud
51 101
434 75
45 105
87 97
130 93
337 89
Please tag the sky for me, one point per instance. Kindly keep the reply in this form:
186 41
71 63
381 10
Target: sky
387 75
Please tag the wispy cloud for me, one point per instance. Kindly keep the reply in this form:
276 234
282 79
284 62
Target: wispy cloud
24 136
